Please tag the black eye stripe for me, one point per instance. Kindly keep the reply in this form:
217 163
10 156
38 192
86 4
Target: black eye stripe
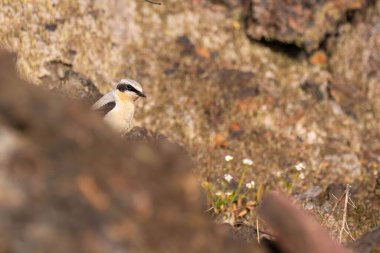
133 89
124 87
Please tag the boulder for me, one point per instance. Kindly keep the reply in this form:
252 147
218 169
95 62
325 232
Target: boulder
303 23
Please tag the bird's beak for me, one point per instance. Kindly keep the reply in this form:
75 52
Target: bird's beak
140 94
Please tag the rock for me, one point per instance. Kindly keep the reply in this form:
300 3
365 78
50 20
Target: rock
188 47
311 193
356 75
63 79
138 134
51 27
313 89
369 242
335 191
333 194
304 23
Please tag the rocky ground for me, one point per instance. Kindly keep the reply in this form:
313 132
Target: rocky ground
308 117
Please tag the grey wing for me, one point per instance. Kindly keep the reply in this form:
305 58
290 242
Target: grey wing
107 98
105 103
106 108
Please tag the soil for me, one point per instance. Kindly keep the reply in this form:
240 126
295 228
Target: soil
219 93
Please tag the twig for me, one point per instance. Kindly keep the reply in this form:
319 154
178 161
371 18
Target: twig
333 209
150 1
347 229
257 229
351 202
344 221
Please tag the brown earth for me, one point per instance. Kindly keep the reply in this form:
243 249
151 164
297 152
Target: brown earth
212 89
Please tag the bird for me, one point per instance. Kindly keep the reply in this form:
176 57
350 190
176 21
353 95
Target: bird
118 105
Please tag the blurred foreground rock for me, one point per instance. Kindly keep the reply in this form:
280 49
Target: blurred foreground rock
304 23
298 232
69 184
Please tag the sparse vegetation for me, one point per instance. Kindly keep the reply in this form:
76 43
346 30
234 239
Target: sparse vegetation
233 199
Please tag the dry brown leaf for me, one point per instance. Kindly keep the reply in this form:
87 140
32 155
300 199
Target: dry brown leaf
319 58
247 104
235 127
220 140
203 52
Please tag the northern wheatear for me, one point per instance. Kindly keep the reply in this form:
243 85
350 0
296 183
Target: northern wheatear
118 105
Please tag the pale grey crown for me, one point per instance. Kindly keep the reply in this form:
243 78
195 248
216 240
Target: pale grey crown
134 84
128 85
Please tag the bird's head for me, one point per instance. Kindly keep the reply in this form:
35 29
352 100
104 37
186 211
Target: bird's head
128 90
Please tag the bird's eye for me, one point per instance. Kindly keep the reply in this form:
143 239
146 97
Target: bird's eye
122 87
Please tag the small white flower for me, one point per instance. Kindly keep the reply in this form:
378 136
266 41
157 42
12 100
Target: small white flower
302 175
300 166
250 185
247 161
228 193
218 193
228 158
228 177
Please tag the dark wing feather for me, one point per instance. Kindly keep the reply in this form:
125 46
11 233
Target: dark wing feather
106 108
